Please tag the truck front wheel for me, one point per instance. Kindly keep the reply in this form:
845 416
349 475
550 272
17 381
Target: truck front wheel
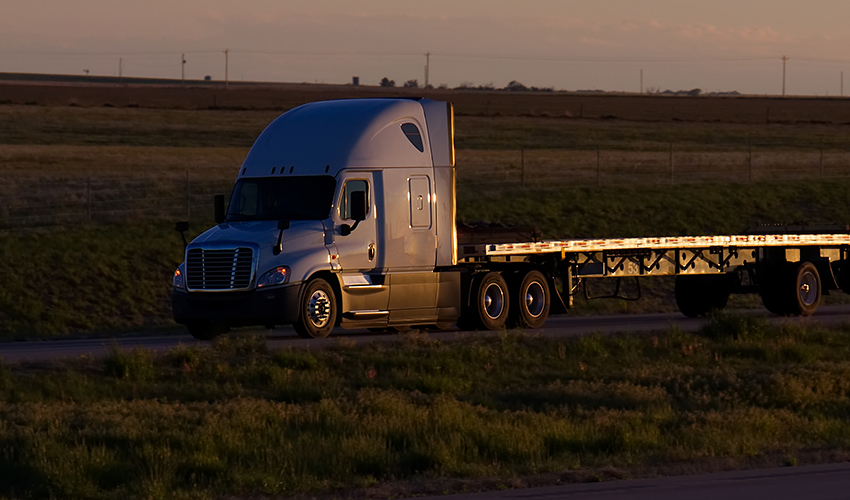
317 311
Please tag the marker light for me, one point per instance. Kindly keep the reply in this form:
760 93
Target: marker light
177 281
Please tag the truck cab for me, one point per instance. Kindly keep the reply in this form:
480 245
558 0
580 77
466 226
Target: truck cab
342 214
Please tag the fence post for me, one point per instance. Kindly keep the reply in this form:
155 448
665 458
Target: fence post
750 160
672 179
188 203
598 167
88 199
522 165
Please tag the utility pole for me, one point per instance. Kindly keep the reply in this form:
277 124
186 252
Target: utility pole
183 69
842 84
784 61
641 81
226 55
427 67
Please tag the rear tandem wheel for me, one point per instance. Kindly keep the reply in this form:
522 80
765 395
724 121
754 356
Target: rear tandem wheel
793 289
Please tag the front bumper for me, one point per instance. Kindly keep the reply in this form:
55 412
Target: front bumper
274 306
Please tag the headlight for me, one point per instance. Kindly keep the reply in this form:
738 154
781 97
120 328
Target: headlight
276 276
177 281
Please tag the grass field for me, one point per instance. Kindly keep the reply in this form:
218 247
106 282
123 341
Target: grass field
422 416
107 182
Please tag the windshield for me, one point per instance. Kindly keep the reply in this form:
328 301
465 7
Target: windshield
277 198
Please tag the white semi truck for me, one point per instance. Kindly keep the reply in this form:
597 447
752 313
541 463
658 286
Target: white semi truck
343 214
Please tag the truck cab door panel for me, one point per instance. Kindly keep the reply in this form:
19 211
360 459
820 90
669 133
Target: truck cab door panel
364 291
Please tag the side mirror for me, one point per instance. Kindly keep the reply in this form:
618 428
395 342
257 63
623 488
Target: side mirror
219 208
181 227
359 205
282 224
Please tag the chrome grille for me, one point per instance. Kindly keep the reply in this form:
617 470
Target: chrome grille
219 269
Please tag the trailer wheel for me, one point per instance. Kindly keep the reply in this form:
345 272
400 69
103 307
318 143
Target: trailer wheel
792 290
531 300
491 303
807 289
317 311
699 294
206 330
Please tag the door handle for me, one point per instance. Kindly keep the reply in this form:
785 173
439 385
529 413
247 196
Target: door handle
371 251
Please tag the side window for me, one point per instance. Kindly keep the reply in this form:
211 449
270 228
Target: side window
411 131
352 186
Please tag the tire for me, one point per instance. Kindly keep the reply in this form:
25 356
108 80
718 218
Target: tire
807 289
699 294
792 290
317 311
206 330
492 303
531 300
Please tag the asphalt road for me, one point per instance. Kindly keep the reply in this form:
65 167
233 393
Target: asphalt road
556 326
817 482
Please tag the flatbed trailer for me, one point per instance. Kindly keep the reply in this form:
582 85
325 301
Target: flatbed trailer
789 271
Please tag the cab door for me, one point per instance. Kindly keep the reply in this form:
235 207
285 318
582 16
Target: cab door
365 295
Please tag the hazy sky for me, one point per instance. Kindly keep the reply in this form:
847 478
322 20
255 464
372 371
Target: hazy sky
716 45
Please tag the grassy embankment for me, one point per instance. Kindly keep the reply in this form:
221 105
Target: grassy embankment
422 416
113 274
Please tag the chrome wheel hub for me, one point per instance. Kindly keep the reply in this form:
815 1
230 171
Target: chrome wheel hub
494 301
808 289
319 309
535 299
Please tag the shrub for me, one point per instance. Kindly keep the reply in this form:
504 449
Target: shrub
135 364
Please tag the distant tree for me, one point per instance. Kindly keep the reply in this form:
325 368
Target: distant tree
465 86
695 92
411 84
443 86
515 86
386 82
